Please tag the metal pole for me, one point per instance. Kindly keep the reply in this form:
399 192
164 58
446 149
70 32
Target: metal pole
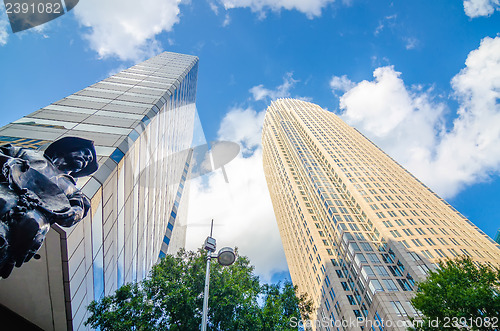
205 296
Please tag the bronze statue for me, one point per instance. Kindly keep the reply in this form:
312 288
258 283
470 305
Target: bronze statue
38 190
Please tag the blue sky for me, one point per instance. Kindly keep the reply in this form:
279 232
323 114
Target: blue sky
396 70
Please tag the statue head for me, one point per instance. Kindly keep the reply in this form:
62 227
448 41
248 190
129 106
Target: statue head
72 155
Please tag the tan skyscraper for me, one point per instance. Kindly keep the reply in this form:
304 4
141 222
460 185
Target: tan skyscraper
357 228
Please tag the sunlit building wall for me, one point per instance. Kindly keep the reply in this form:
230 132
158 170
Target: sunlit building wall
141 121
357 228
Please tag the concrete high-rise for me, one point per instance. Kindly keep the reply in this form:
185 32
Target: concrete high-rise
357 228
141 121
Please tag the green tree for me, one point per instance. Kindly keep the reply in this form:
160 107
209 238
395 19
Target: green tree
281 304
459 290
171 298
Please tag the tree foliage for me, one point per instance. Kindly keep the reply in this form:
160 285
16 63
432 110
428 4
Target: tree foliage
171 298
459 291
281 304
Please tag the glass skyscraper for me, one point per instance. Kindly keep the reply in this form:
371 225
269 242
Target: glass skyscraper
141 121
358 230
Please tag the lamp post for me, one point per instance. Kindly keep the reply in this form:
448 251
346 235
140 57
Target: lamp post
225 257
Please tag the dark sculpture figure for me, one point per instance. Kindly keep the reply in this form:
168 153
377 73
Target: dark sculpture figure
38 190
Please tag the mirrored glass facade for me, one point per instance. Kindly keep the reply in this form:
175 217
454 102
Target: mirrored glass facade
358 230
141 121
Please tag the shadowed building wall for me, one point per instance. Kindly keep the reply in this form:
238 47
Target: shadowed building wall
141 122
357 228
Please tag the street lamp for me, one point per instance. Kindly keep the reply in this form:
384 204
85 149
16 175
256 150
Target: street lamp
225 257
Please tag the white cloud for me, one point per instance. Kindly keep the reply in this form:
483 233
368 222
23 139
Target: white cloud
4 25
243 126
341 84
213 7
382 105
470 151
126 29
409 125
476 8
242 209
259 92
378 29
411 42
311 8
391 23
227 20
388 21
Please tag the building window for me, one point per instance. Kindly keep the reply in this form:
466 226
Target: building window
390 285
381 270
375 286
398 308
